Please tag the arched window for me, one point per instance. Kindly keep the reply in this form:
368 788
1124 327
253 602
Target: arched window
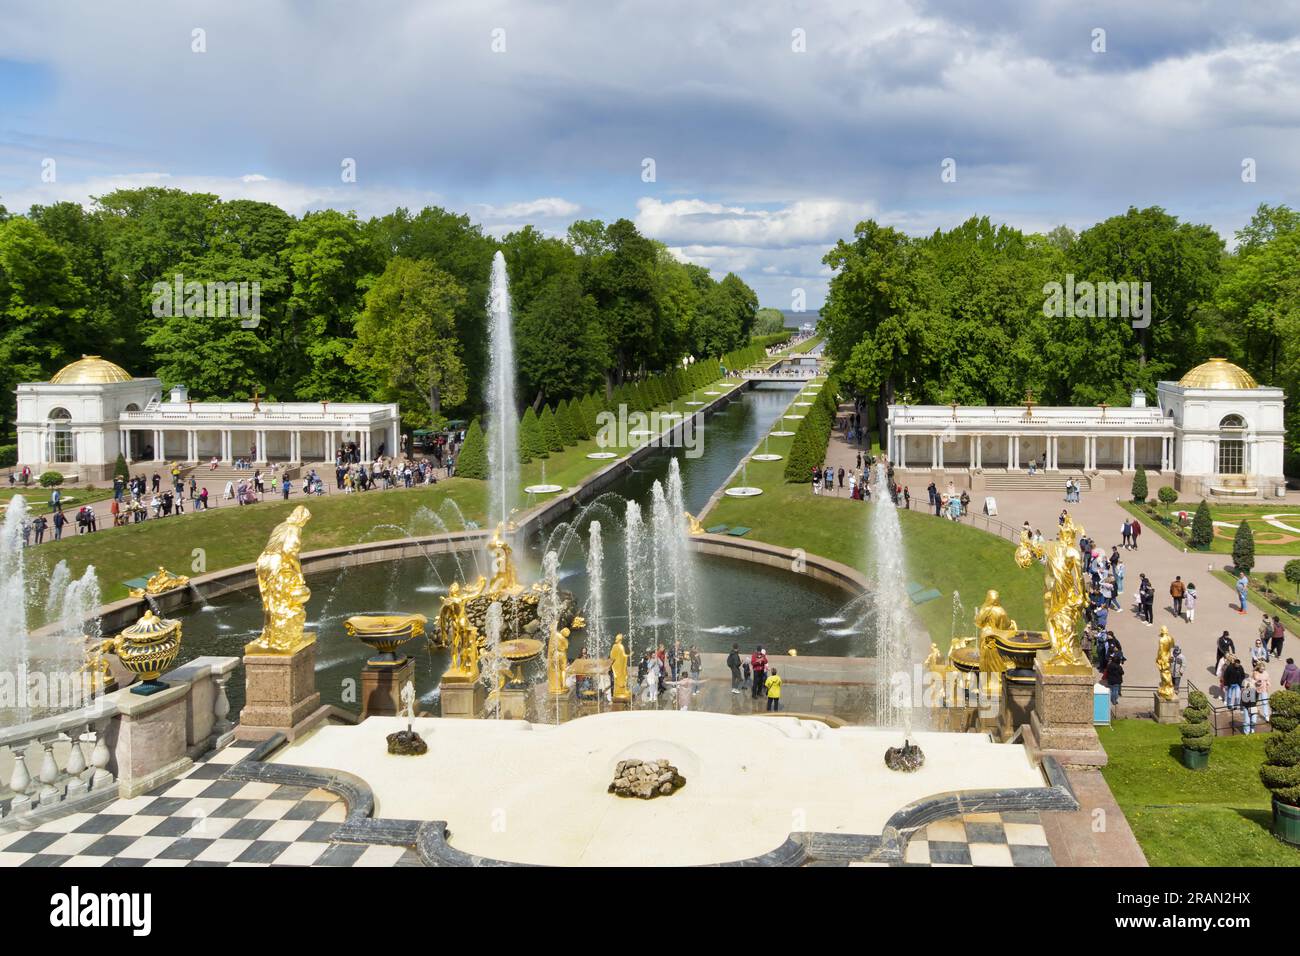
1232 447
131 407
59 444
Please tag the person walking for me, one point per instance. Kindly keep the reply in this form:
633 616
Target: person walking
1178 667
1189 603
1259 653
1290 675
1248 697
773 685
1147 600
60 519
1243 582
1278 636
1178 591
1126 532
758 661
1233 676
1263 687
1223 647
1135 533
1115 678
733 664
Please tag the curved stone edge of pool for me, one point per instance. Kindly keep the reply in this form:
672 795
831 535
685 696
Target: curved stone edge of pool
429 838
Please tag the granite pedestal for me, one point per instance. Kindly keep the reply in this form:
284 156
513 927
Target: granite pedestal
279 691
381 687
1167 711
1061 720
461 698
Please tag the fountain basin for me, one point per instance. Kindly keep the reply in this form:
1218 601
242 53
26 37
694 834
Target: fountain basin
602 455
743 491
766 456
543 489
551 782
793 417
782 434
692 403
712 393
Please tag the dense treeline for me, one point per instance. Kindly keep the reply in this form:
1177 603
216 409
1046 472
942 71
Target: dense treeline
808 449
959 316
392 308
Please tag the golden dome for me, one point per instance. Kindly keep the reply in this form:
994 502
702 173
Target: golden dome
90 370
1218 373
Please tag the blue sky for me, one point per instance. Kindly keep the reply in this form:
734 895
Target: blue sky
764 154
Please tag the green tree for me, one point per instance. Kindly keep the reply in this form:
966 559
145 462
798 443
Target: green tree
550 430
1202 527
769 322
406 339
1167 495
120 469
1140 485
472 462
1291 570
557 340
1280 771
1243 547
531 442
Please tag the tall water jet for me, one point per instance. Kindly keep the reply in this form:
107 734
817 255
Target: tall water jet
503 413
493 664
635 559
894 657
673 585
13 593
595 616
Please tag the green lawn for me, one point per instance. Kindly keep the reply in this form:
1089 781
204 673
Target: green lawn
1219 816
230 535
1269 539
940 554
38 498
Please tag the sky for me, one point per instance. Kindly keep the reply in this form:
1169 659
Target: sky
748 137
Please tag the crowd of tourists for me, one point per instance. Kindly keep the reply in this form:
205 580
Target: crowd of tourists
140 497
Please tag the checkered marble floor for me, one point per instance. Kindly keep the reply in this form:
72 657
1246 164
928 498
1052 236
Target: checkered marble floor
200 820
982 839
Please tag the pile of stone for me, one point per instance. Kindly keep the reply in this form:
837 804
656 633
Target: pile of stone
646 779
906 759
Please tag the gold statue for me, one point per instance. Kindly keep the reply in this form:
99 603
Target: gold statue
284 591
163 581
458 633
1165 664
992 621
618 664
694 523
557 661
1064 596
504 579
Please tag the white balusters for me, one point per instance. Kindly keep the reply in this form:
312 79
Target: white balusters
221 727
100 756
20 780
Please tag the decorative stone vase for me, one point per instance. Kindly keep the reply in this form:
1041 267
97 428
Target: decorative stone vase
1195 759
1286 822
148 648
385 633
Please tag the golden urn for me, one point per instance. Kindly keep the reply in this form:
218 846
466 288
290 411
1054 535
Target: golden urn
147 649
385 633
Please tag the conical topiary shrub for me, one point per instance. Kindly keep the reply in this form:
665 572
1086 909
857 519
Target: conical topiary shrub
1243 548
550 430
1196 731
1202 527
1140 485
472 462
531 443
564 420
577 421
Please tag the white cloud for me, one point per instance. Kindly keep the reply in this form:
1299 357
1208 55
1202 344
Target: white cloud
697 221
551 207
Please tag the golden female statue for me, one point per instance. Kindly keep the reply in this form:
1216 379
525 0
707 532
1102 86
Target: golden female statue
1165 664
284 591
557 661
992 621
1063 597
504 579
618 664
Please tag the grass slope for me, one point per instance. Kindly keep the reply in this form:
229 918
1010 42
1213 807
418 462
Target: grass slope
1219 816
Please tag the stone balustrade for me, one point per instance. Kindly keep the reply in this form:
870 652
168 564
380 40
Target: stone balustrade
121 744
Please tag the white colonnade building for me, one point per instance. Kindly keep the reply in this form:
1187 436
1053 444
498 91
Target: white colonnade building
92 410
1215 432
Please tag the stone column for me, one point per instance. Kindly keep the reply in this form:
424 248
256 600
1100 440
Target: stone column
150 743
934 451
938 444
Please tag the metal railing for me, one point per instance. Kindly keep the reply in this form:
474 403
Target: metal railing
1231 715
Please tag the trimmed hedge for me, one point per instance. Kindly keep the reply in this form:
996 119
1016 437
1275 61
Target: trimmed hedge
1281 769
8 456
811 437
1202 527
1285 707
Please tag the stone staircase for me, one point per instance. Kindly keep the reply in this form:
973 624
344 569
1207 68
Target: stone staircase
995 481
